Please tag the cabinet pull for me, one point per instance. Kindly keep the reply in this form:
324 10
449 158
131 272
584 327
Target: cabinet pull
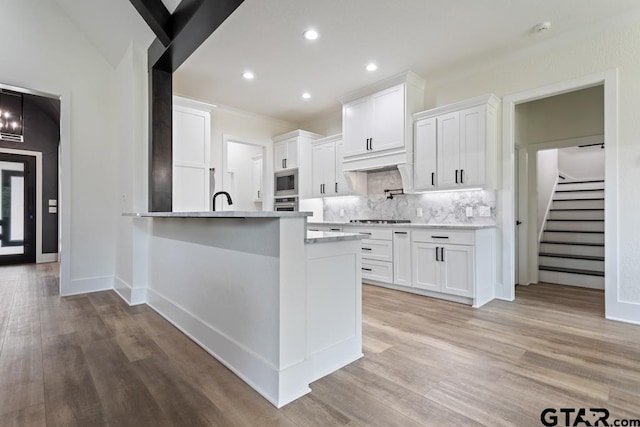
439 237
334 229
400 232
442 254
437 253
433 178
461 176
282 163
366 269
285 163
370 143
366 249
258 194
367 144
456 176
368 234
336 187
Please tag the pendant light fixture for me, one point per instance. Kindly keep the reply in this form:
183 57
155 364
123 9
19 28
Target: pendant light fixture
11 123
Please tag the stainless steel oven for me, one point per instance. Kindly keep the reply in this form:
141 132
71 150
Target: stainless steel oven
286 183
285 204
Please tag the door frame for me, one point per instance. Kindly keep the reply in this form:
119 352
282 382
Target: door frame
267 178
614 309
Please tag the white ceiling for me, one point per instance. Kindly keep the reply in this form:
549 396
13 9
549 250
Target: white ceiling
429 37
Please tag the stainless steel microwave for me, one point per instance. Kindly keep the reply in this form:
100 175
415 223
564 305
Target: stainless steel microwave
286 183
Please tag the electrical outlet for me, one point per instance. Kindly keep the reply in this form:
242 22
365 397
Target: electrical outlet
484 211
419 212
341 212
469 211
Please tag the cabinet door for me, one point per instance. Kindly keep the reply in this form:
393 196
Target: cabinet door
425 152
402 258
448 150
473 146
341 186
388 119
426 269
323 170
279 155
257 179
317 171
356 117
291 160
457 274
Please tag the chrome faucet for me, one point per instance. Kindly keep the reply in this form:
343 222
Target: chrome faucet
219 193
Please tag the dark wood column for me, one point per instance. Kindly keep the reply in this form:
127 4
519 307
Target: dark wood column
178 36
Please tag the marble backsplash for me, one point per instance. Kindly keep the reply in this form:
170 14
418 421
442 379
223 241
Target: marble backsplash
437 207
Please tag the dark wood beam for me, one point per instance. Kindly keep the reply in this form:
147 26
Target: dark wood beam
189 26
157 17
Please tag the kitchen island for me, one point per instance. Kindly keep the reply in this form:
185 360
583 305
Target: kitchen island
278 307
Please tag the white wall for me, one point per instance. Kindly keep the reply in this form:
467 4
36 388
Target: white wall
598 51
325 124
44 51
582 163
547 176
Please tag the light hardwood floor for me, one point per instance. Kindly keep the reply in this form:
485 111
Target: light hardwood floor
91 360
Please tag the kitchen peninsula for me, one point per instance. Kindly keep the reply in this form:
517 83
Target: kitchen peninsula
278 307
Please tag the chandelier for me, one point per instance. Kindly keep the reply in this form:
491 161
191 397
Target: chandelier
11 105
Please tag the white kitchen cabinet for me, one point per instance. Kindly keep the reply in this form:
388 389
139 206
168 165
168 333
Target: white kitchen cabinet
443 268
456 145
328 179
293 151
191 157
285 154
402 257
377 253
426 266
377 125
256 176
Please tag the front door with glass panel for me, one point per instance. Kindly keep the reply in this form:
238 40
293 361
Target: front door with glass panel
17 209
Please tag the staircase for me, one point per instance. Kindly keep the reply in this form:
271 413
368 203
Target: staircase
572 245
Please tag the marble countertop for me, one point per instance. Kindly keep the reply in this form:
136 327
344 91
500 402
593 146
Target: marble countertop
330 236
408 225
220 214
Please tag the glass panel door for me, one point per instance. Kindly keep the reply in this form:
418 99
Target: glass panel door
17 209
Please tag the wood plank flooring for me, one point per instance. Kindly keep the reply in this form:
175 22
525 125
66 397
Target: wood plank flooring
91 360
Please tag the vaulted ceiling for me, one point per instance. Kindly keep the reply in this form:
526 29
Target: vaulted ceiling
431 37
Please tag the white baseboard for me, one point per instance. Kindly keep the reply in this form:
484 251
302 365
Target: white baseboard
43 258
622 311
87 285
132 296
261 375
423 292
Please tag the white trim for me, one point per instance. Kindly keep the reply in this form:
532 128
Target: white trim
546 212
131 295
52 257
87 285
40 213
614 307
267 170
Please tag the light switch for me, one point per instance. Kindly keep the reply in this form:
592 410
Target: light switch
53 202
469 211
53 209
484 211
419 212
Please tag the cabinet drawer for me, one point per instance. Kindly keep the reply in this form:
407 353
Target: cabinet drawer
455 237
377 270
372 233
381 250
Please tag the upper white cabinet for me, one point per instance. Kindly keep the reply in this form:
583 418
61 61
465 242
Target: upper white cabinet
191 157
293 151
328 178
455 145
377 124
285 154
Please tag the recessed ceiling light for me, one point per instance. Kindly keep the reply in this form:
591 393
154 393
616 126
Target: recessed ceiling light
310 34
306 95
248 75
372 67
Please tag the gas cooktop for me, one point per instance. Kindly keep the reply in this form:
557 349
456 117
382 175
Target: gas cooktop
380 221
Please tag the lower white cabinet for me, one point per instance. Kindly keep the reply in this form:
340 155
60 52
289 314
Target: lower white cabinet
402 257
443 268
448 263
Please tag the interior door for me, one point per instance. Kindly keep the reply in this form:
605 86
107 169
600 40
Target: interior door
17 209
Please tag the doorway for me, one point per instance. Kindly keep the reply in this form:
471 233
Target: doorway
17 209
608 80
244 175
